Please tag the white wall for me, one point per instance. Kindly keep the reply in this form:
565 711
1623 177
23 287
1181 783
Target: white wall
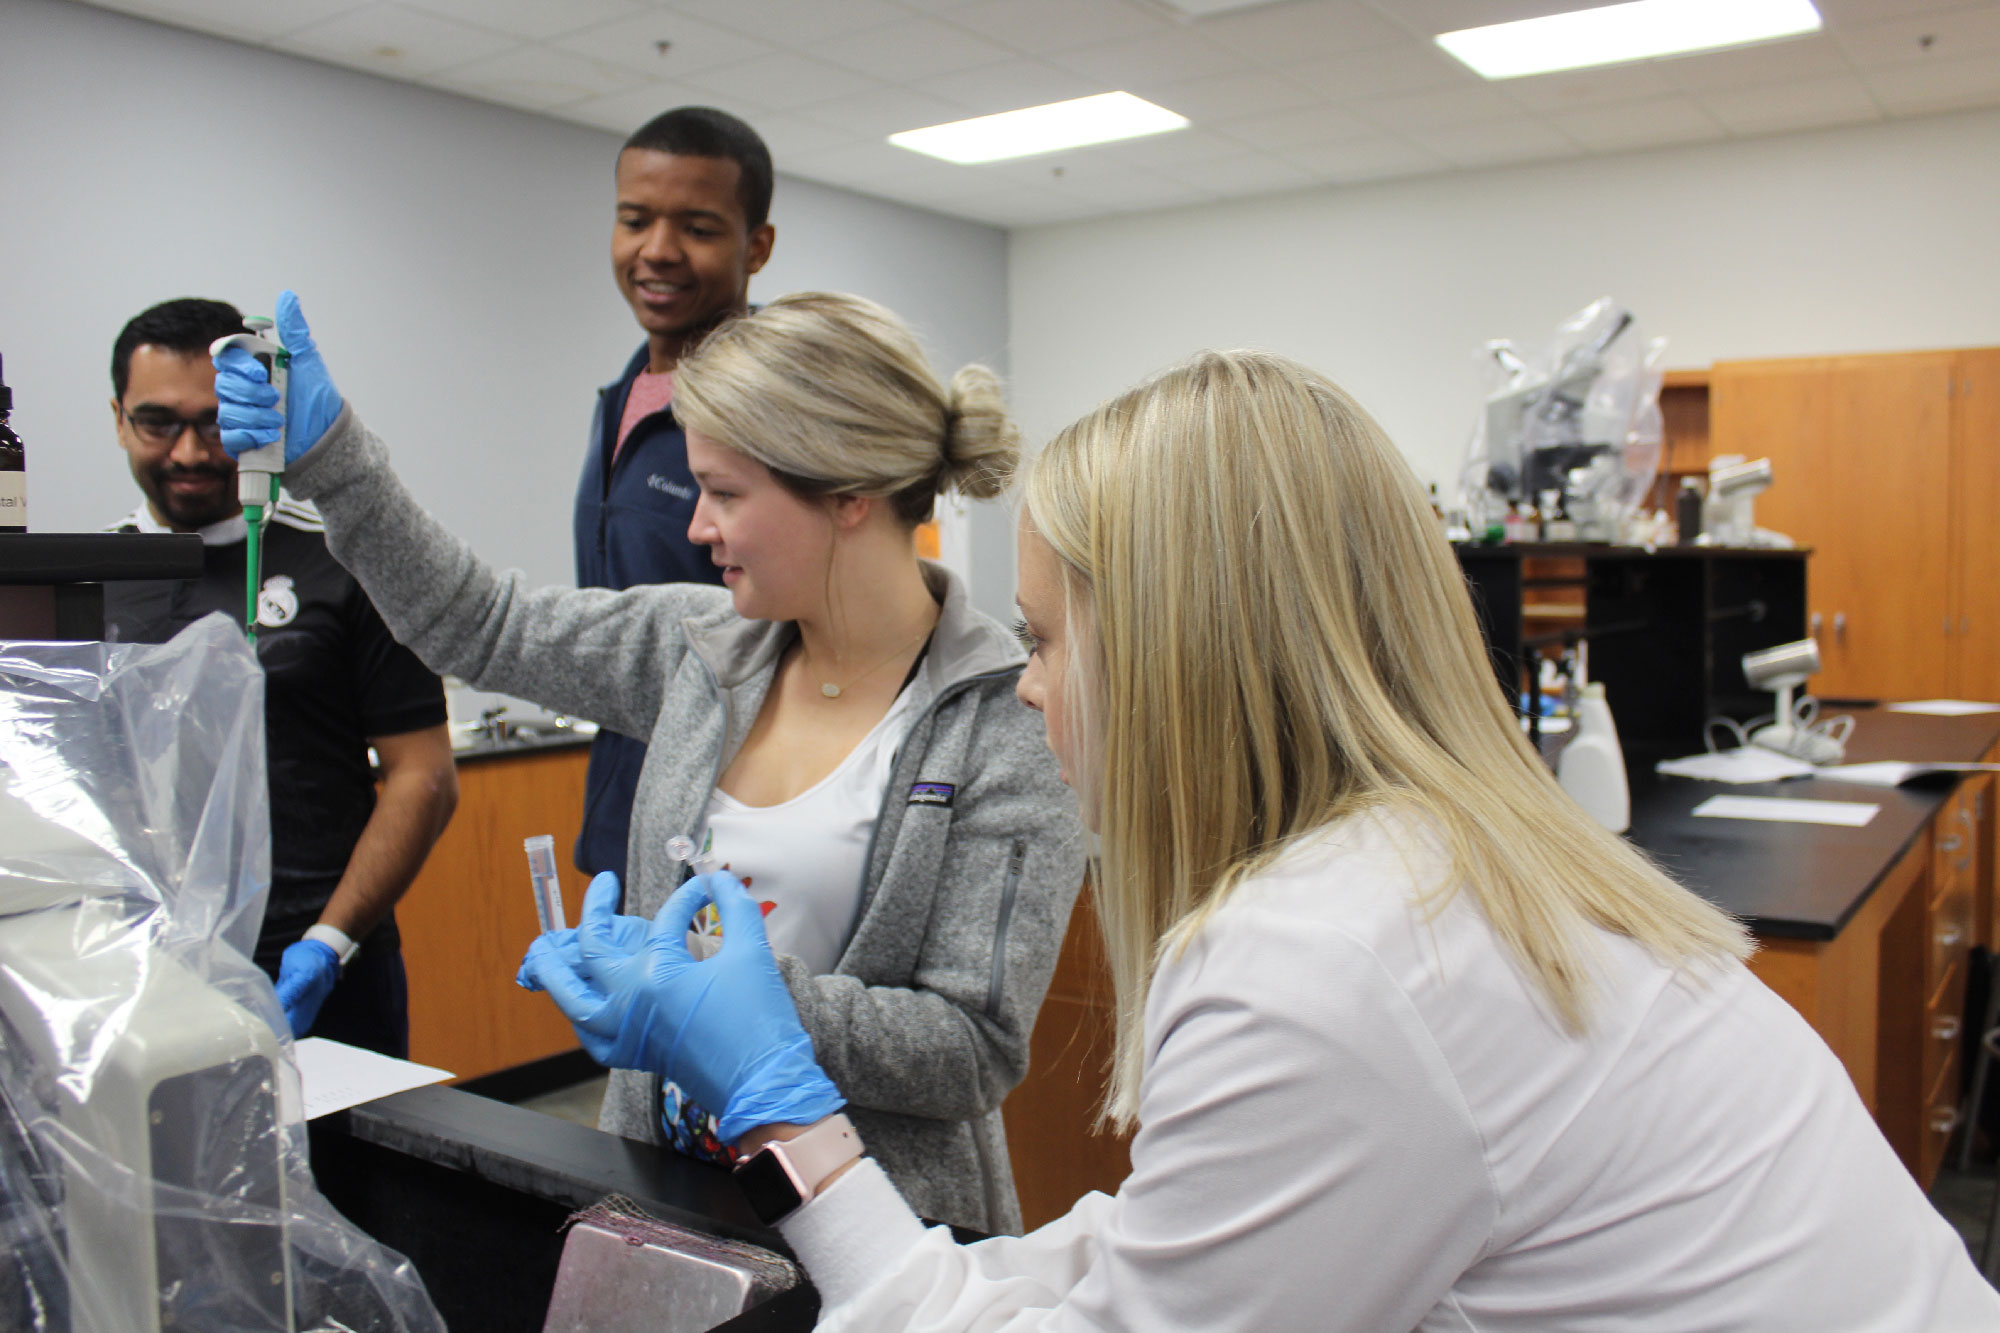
452 255
1872 238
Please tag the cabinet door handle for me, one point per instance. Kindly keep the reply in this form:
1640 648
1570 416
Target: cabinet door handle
1943 1119
1840 627
1950 842
1950 936
1815 622
1946 1028
1965 625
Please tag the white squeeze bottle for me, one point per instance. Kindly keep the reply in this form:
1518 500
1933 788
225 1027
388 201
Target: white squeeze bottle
1592 767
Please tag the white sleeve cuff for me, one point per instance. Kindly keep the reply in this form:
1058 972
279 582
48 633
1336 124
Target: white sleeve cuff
854 1234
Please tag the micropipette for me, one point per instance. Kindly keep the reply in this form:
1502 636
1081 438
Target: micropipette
258 470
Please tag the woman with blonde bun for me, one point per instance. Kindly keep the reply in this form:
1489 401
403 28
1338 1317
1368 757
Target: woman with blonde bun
1407 1039
836 723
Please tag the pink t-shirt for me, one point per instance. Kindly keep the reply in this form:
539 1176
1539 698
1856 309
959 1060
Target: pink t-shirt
650 393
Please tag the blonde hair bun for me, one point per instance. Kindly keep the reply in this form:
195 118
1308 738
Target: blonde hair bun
982 444
834 393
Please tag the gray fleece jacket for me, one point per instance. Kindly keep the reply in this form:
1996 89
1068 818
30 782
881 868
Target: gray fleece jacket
977 854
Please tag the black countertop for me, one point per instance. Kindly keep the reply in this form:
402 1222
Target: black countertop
522 744
1804 881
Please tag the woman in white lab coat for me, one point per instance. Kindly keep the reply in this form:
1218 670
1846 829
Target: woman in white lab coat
1408 1041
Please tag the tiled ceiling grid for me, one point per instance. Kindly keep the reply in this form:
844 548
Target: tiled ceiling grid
1281 96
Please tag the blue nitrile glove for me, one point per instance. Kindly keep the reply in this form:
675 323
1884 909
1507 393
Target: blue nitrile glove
725 1029
246 402
306 976
628 932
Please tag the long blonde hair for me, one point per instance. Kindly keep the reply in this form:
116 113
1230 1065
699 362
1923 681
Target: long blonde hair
833 393
1275 634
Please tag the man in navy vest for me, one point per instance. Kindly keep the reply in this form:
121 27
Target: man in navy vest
693 223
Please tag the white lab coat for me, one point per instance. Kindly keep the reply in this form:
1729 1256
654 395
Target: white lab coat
1358 1116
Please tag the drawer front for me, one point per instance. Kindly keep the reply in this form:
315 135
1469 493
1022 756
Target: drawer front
1950 935
1955 843
1944 1026
1941 1114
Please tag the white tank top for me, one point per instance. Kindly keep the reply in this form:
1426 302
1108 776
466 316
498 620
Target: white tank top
804 859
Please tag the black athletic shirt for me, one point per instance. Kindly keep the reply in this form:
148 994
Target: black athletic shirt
333 678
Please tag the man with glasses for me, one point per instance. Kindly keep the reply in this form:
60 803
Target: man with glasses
335 683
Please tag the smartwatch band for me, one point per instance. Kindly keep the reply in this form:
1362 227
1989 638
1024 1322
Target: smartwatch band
336 939
786 1174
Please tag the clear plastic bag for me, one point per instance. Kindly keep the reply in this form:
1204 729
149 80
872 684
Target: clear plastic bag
1576 429
153 1163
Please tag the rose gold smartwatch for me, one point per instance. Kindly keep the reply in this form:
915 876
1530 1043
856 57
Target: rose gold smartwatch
783 1175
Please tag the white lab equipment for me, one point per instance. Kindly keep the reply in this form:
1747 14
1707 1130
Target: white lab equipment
153 1170
1581 421
1592 766
1727 516
1795 729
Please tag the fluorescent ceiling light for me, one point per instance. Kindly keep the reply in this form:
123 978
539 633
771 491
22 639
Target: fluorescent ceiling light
1615 33
1041 129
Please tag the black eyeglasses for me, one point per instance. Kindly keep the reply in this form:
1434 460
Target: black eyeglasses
159 427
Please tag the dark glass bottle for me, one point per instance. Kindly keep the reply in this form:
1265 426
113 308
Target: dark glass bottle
13 467
1687 512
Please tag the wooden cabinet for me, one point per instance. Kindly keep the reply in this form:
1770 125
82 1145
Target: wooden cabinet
1975 525
1058 1154
469 917
1885 465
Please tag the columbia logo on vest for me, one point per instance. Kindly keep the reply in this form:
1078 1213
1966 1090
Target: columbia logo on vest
673 488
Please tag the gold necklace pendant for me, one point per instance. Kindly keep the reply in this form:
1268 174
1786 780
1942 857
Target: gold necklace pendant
833 691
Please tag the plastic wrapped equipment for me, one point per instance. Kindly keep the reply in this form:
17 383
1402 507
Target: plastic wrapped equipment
1577 428
153 1166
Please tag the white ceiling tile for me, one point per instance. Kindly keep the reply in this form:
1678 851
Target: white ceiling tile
1025 208
783 81
886 111
1303 125
872 159
1491 142
1247 173
1841 13
1789 61
1172 55
1376 157
1177 150
1008 87
1208 101
1589 87
1967 32
388 39
694 47
1913 89
914 48
240 20
1430 17
1041 26
538 78
534 20
1651 123
1840 100
1285 34
621 113
1385 73
794 23
1444 106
